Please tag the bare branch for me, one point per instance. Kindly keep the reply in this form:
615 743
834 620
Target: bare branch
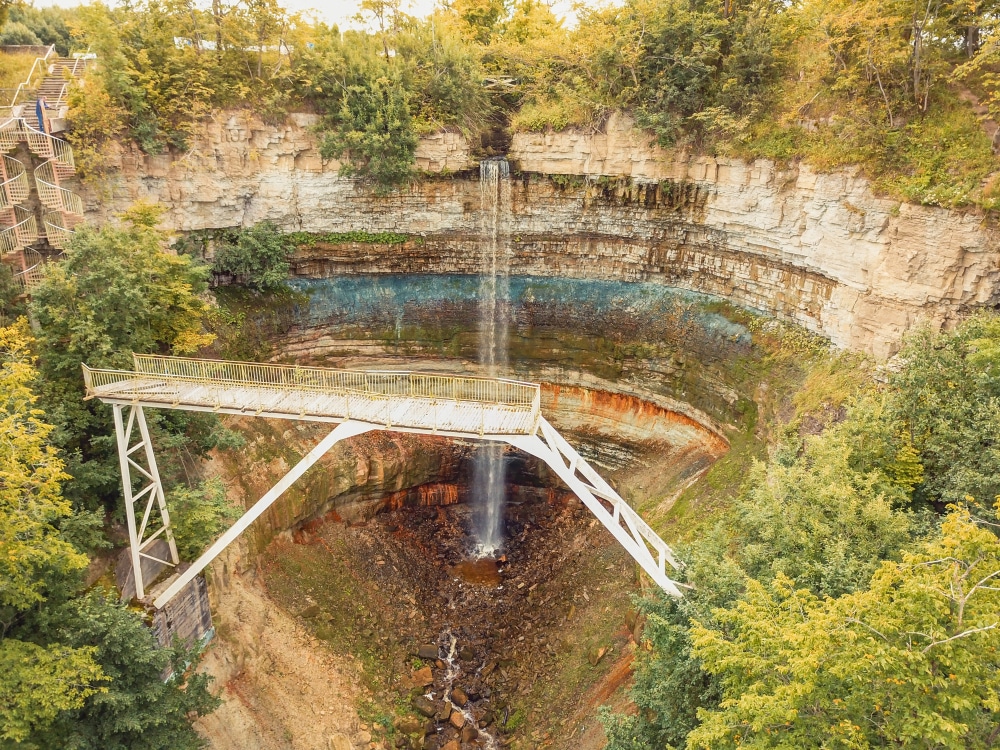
963 634
869 627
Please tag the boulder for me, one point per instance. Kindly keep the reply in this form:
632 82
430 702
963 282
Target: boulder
425 705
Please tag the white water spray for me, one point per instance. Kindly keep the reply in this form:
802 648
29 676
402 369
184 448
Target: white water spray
494 298
486 740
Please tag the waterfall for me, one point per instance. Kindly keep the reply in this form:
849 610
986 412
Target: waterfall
494 298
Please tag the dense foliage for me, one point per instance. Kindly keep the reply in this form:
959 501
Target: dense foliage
115 294
834 606
888 84
78 671
26 24
256 257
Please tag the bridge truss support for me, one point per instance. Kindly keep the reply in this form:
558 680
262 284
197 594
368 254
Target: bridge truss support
155 519
341 432
634 534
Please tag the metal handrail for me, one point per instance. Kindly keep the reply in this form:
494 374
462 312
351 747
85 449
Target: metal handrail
14 189
56 231
54 196
362 382
26 226
11 134
48 146
58 101
370 383
31 276
22 233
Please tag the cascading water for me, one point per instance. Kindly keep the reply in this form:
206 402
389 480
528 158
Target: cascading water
494 304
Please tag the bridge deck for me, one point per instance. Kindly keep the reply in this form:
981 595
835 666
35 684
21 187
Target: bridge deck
359 401
397 400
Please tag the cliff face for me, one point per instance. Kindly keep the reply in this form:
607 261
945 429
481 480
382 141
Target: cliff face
819 249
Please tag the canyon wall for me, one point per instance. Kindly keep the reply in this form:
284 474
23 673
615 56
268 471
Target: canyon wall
819 249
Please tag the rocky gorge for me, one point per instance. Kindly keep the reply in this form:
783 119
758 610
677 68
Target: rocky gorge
819 249
637 275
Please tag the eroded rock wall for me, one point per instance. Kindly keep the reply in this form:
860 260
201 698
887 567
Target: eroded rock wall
819 249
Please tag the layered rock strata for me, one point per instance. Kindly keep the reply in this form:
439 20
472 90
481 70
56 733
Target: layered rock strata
819 249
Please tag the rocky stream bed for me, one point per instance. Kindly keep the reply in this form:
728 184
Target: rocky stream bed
456 651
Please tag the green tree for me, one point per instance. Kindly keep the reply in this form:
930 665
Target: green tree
670 686
256 257
372 132
198 515
118 291
818 520
138 708
37 681
942 408
481 17
31 475
912 661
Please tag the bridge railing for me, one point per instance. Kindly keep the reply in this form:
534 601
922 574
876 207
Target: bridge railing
369 383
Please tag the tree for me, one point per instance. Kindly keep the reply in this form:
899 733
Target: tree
818 520
199 515
37 681
912 661
138 709
31 475
670 685
481 17
943 405
118 291
372 131
256 256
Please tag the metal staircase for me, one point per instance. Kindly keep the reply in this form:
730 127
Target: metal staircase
61 208
65 209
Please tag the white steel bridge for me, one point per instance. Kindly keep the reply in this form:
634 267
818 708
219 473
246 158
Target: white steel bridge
356 401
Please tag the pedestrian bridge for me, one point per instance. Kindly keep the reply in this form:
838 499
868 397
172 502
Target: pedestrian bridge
356 401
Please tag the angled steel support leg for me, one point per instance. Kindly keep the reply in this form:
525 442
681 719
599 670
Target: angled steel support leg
145 509
634 534
342 431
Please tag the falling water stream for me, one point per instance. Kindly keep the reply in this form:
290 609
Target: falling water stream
494 304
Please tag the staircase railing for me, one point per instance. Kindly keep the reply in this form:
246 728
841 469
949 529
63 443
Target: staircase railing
10 134
63 207
15 188
32 272
48 146
57 230
52 195
22 233
39 67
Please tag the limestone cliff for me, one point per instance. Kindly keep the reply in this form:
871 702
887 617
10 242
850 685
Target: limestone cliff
819 249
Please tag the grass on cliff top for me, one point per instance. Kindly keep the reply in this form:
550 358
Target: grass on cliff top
14 68
944 158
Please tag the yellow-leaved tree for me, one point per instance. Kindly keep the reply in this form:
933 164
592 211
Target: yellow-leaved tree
36 682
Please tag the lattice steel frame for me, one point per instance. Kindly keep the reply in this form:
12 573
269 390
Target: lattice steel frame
150 496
